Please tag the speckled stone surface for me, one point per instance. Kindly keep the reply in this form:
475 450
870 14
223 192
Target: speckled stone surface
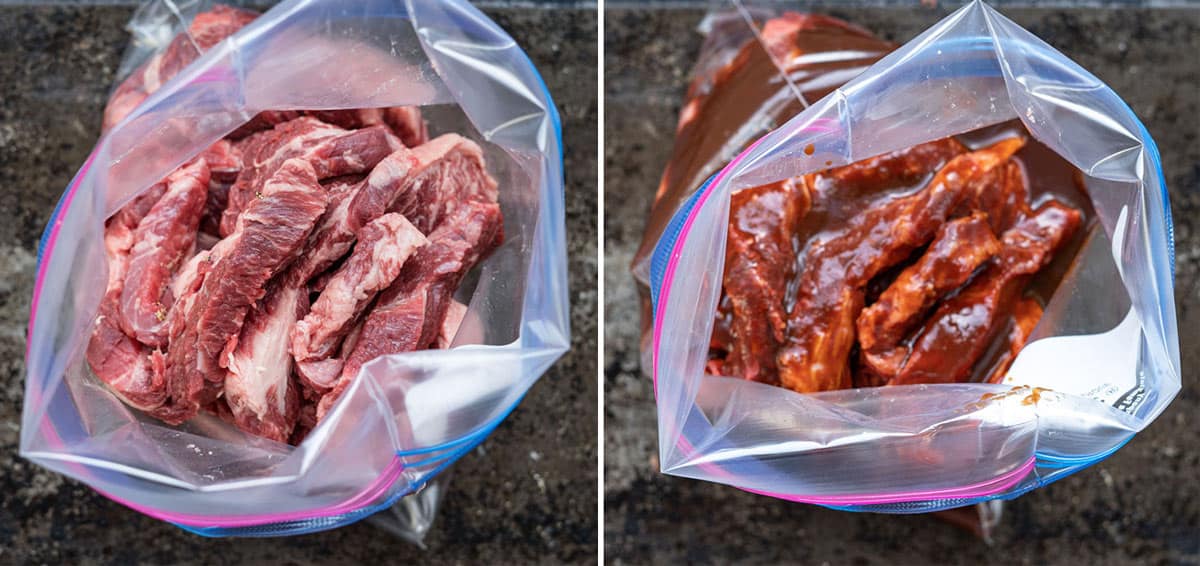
526 494
1140 506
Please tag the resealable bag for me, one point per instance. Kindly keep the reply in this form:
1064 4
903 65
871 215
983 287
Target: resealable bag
407 416
1102 363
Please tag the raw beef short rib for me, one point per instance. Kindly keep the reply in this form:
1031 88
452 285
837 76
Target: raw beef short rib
163 239
268 235
206 30
331 151
382 249
408 315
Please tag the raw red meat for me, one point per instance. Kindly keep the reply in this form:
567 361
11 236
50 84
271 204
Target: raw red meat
212 270
130 370
455 314
162 240
408 315
383 247
448 171
206 30
404 121
268 234
420 184
259 387
407 124
224 164
331 151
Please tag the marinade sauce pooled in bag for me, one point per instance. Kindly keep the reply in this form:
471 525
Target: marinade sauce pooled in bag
945 268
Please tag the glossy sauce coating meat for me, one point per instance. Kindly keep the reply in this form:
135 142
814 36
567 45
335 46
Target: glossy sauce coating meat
759 261
821 325
960 330
894 169
959 248
756 270
1004 197
1024 319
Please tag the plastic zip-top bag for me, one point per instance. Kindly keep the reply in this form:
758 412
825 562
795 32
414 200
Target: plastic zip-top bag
404 417
1101 363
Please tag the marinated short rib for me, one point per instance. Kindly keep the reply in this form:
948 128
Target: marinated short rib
206 30
130 370
383 247
1004 197
419 183
161 242
455 314
759 262
331 151
960 247
959 331
268 235
224 163
829 296
1025 318
408 315
258 387
890 170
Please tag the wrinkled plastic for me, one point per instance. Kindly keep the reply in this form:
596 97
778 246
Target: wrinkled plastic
407 416
1106 351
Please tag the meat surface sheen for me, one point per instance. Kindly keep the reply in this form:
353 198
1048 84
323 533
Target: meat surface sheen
759 262
959 331
890 170
1025 318
960 247
821 324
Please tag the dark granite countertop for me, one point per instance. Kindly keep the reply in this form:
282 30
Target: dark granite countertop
526 494
1142 505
